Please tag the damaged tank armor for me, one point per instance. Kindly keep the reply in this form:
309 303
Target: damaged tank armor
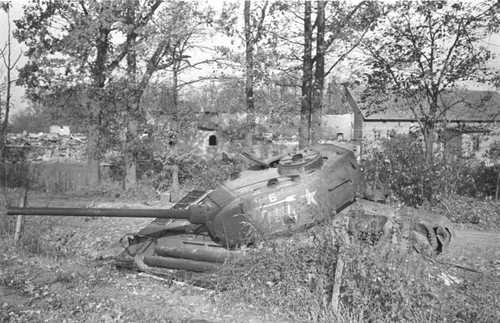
276 197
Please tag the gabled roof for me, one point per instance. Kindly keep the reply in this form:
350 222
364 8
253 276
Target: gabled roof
465 106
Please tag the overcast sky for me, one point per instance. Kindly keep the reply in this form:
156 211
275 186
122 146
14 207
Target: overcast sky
16 12
19 103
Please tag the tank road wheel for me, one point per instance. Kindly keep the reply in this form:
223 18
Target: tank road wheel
430 239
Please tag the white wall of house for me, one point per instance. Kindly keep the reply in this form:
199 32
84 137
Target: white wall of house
473 145
373 130
206 142
332 125
60 130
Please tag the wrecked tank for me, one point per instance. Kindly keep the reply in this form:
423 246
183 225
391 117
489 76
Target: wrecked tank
273 198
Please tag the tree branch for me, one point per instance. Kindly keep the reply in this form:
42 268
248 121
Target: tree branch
194 65
349 16
207 78
142 22
259 28
344 55
450 52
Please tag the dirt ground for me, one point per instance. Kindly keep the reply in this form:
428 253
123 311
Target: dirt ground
63 271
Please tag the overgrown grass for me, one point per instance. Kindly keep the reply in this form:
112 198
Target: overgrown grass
35 240
484 214
384 282
291 276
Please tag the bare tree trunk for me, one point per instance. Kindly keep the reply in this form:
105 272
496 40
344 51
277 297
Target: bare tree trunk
95 124
498 184
7 59
20 219
130 155
429 133
249 72
339 271
131 115
305 109
93 159
319 77
175 186
175 93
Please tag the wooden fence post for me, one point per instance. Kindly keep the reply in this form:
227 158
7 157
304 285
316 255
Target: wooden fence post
20 218
339 270
343 240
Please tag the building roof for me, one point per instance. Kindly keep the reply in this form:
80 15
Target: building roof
465 106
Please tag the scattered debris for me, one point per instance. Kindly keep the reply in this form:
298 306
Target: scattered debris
449 279
48 146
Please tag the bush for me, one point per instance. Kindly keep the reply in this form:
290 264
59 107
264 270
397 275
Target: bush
207 174
194 171
290 276
483 214
381 283
399 165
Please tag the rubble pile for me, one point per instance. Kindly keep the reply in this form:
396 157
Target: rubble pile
49 146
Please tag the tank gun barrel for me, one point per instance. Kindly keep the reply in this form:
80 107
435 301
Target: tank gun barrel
196 214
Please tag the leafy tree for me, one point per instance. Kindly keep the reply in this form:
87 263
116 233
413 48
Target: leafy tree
254 28
422 50
74 48
248 52
334 30
307 80
337 27
164 46
9 64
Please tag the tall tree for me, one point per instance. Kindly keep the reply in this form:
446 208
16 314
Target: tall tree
424 50
251 58
307 77
75 47
338 28
254 28
9 64
319 74
176 29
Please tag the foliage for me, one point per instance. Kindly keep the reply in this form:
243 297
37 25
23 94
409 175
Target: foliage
205 173
391 285
292 275
381 283
8 66
484 214
423 50
399 165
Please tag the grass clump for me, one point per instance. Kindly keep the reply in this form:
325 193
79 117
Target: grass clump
483 214
384 282
291 276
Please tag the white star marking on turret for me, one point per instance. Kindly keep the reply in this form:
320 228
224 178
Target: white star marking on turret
310 197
